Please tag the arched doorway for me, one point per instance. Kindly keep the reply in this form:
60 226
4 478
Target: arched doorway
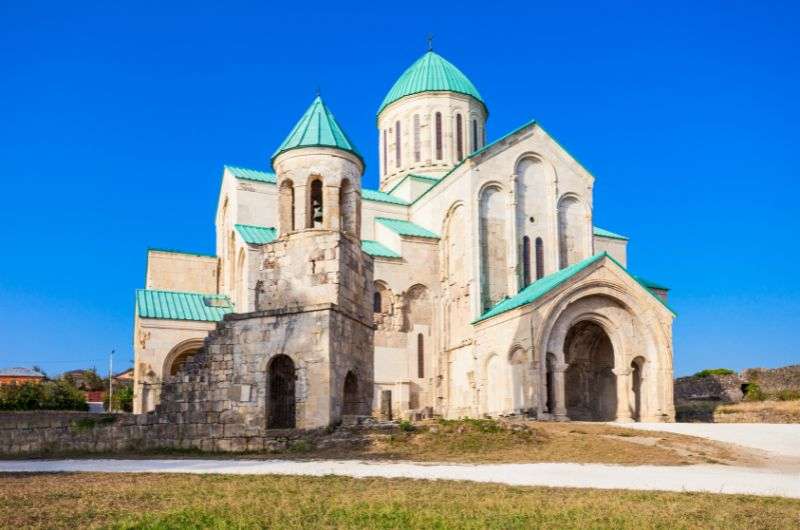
351 404
637 366
180 355
281 404
590 383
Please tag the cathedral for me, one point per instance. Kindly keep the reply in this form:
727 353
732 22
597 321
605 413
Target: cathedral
472 283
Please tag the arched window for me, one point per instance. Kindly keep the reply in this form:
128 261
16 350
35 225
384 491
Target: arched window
286 206
570 240
385 160
377 303
438 135
417 142
397 143
316 207
420 355
474 135
539 258
459 137
526 261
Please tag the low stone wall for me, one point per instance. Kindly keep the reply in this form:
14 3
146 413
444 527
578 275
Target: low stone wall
54 432
721 388
775 380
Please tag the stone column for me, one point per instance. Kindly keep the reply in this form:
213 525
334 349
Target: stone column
330 208
623 376
560 391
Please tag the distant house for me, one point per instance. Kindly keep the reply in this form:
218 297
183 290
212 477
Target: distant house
83 379
124 378
19 376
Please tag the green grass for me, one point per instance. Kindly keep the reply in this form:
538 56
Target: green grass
220 501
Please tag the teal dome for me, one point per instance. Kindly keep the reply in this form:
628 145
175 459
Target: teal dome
317 128
431 73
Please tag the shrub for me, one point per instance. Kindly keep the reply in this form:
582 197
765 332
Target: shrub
47 395
753 392
407 426
714 371
788 395
123 399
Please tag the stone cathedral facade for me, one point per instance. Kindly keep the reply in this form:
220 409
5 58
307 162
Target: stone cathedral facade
471 283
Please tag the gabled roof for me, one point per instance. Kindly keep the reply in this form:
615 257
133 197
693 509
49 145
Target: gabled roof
175 305
252 174
317 128
544 285
20 372
380 196
375 249
605 233
256 235
431 73
406 228
651 285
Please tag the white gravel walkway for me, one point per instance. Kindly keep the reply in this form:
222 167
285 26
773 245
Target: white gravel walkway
781 439
714 479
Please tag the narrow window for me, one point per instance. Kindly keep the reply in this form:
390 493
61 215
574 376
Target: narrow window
315 215
539 258
420 356
474 135
483 136
376 302
438 136
385 162
397 143
526 261
417 154
459 137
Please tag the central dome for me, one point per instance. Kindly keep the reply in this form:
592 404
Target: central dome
431 73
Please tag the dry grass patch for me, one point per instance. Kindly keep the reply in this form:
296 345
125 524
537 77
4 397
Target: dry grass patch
490 441
759 412
220 501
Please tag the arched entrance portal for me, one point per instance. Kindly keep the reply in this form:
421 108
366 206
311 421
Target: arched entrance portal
281 399
591 386
351 404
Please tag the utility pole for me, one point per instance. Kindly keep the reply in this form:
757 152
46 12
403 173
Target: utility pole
110 380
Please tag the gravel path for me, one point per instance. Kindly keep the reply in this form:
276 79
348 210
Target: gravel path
781 439
714 479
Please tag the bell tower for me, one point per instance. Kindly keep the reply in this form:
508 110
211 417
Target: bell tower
315 279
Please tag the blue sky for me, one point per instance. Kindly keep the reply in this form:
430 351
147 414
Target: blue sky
117 117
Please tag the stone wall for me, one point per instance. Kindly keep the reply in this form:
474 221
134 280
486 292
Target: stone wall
721 388
58 432
776 380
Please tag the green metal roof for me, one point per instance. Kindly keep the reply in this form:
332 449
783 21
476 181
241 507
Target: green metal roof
406 228
175 305
373 248
317 128
413 176
431 73
651 285
256 235
605 233
252 174
544 285
380 196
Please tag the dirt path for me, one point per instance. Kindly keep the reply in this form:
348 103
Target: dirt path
705 478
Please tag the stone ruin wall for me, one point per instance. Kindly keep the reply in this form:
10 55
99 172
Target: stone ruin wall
722 388
773 381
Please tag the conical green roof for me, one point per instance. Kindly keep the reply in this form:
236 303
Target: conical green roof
431 73
317 128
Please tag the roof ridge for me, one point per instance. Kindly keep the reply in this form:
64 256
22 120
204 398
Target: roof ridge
145 289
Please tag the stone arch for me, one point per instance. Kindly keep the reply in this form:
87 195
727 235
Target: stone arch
286 214
532 217
493 248
419 306
382 303
520 379
179 355
571 222
590 380
454 274
281 399
632 329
